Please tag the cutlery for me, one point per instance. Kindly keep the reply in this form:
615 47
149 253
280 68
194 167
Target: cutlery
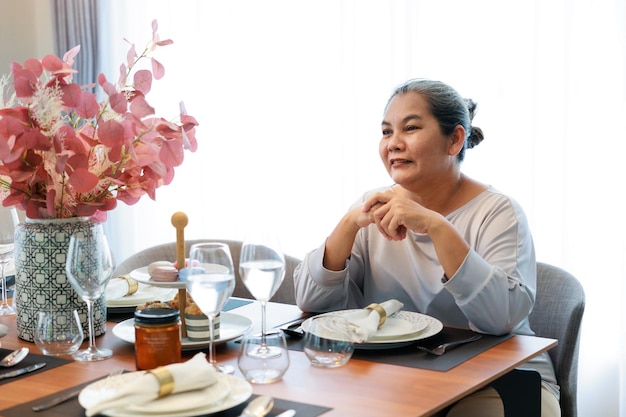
14 357
65 397
294 328
441 349
258 407
57 400
288 413
18 372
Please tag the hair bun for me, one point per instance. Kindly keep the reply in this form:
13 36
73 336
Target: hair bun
476 136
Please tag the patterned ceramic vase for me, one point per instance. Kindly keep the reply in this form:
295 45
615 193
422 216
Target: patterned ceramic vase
40 280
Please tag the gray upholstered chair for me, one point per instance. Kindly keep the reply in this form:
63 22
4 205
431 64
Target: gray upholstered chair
167 252
558 314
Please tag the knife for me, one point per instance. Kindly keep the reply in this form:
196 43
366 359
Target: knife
26 370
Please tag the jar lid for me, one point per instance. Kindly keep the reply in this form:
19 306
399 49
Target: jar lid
156 316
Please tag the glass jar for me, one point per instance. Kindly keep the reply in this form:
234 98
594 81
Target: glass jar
157 337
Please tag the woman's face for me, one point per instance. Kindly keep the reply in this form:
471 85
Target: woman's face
412 147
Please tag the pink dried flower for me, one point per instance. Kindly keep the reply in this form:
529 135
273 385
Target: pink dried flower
64 154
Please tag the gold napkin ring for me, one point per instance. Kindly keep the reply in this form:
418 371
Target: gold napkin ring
381 313
166 380
133 285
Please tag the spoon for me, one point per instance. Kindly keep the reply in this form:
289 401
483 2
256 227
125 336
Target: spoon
258 407
14 357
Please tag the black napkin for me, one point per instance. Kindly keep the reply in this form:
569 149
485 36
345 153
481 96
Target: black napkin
412 357
72 408
31 359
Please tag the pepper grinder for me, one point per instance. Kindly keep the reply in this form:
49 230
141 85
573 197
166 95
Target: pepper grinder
179 221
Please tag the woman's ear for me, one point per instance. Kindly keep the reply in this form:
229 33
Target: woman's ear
457 139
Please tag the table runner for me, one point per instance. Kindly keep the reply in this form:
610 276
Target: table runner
411 357
72 408
31 359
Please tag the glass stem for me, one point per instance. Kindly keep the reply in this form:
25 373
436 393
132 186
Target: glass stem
4 287
211 341
92 337
263 324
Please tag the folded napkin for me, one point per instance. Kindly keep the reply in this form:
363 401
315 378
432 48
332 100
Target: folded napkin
196 373
367 321
121 287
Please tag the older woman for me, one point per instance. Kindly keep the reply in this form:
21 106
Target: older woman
440 242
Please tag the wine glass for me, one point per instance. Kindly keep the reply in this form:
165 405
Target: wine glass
89 266
8 222
210 282
262 270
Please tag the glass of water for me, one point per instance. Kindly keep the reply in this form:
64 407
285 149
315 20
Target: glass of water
58 333
264 369
328 341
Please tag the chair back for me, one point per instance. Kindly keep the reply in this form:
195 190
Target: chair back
558 312
167 252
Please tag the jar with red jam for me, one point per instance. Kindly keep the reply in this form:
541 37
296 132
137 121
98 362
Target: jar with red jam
157 337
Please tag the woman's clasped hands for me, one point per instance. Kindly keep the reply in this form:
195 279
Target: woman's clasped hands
394 214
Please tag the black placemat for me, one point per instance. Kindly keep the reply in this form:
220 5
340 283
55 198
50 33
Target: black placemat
31 359
412 357
120 314
72 408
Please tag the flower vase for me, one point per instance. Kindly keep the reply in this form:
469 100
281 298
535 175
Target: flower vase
41 284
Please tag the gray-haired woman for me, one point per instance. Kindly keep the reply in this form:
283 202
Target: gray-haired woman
438 241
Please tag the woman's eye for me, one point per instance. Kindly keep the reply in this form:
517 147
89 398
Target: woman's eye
412 128
386 132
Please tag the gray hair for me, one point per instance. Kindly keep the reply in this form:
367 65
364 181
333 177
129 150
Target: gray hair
448 107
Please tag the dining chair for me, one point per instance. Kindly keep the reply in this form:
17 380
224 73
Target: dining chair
558 313
167 252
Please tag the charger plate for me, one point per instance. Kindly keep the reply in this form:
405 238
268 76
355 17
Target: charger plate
232 326
228 392
420 326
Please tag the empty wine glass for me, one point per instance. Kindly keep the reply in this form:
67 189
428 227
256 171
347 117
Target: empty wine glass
262 269
8 222
210 282
89 266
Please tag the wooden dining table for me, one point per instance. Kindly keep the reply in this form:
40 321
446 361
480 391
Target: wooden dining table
361 388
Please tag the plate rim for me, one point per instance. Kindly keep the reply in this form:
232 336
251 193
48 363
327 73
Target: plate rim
241 397
118 302
195 344
140 274
433 327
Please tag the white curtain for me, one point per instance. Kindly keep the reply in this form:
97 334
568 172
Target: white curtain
289 96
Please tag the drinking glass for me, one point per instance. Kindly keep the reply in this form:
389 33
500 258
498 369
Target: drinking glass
262 269
263 370
328 341
211 283
8 222
58 332
89 266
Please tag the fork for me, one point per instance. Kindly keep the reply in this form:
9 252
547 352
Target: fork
65 397
441 349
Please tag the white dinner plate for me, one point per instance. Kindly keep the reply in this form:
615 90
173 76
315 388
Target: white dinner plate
142 275
232 326
144 294
228 392
428 326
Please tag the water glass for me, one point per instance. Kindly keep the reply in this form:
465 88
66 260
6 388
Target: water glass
58 333
327 341
264 369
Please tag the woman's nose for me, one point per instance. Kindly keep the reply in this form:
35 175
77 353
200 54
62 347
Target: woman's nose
394 143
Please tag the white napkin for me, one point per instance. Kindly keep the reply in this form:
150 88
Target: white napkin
117 288
365 322
196 373
3 330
